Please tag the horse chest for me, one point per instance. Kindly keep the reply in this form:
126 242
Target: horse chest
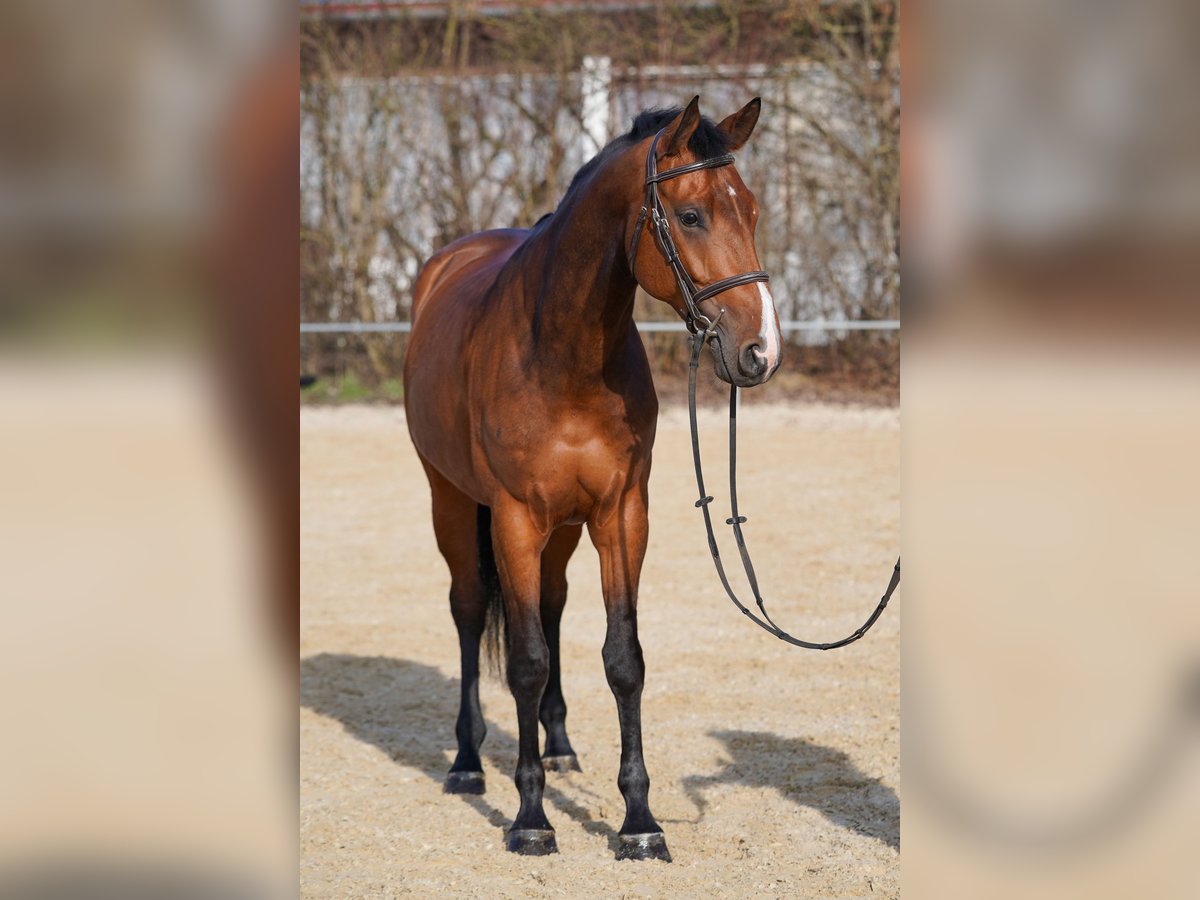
567 472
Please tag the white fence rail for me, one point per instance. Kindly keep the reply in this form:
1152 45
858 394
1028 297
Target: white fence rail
403 327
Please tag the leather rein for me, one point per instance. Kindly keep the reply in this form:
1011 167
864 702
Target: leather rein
703 329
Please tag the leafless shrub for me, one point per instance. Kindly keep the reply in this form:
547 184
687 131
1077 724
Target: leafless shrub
416 132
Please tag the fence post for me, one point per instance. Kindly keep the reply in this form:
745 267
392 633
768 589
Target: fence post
595 85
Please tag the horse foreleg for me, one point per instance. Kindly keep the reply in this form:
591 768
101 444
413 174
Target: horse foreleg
621 544
518 547
558 755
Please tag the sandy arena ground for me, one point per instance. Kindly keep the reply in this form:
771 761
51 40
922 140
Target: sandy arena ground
774 771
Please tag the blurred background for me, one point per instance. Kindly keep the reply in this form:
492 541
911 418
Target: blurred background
1051 427
148 464
425 122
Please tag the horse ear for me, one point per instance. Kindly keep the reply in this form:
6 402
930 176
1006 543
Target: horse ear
740 125
680 131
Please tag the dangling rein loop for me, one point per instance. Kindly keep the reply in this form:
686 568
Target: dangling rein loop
736 520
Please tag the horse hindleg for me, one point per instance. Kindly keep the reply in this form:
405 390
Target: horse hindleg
454 524
558 756
519 548
621 544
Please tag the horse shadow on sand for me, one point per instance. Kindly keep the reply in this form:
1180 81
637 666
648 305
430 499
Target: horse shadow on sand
807 774
407 709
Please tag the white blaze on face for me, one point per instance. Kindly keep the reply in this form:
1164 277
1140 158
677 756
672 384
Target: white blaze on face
768 331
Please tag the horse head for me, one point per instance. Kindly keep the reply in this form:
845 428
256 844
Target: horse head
708 217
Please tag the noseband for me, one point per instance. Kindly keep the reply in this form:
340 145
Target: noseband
653 207
702 329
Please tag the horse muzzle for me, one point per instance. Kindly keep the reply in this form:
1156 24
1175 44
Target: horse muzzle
745 365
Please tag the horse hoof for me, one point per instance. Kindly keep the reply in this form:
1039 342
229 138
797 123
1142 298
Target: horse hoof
532 841
643 846
566 763
464 783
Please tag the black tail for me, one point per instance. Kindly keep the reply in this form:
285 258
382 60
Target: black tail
495 623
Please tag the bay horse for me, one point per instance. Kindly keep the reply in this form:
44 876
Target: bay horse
530 402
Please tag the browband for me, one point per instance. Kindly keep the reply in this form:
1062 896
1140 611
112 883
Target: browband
713 163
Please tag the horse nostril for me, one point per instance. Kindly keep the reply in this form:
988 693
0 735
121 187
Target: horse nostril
752 361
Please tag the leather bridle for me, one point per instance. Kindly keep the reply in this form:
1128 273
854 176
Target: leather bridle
653 207
703 329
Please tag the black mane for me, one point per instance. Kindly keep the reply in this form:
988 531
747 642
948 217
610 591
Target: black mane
706 142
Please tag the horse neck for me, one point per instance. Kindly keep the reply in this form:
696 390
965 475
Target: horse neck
582 306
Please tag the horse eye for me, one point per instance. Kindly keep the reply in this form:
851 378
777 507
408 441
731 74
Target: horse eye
690 218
